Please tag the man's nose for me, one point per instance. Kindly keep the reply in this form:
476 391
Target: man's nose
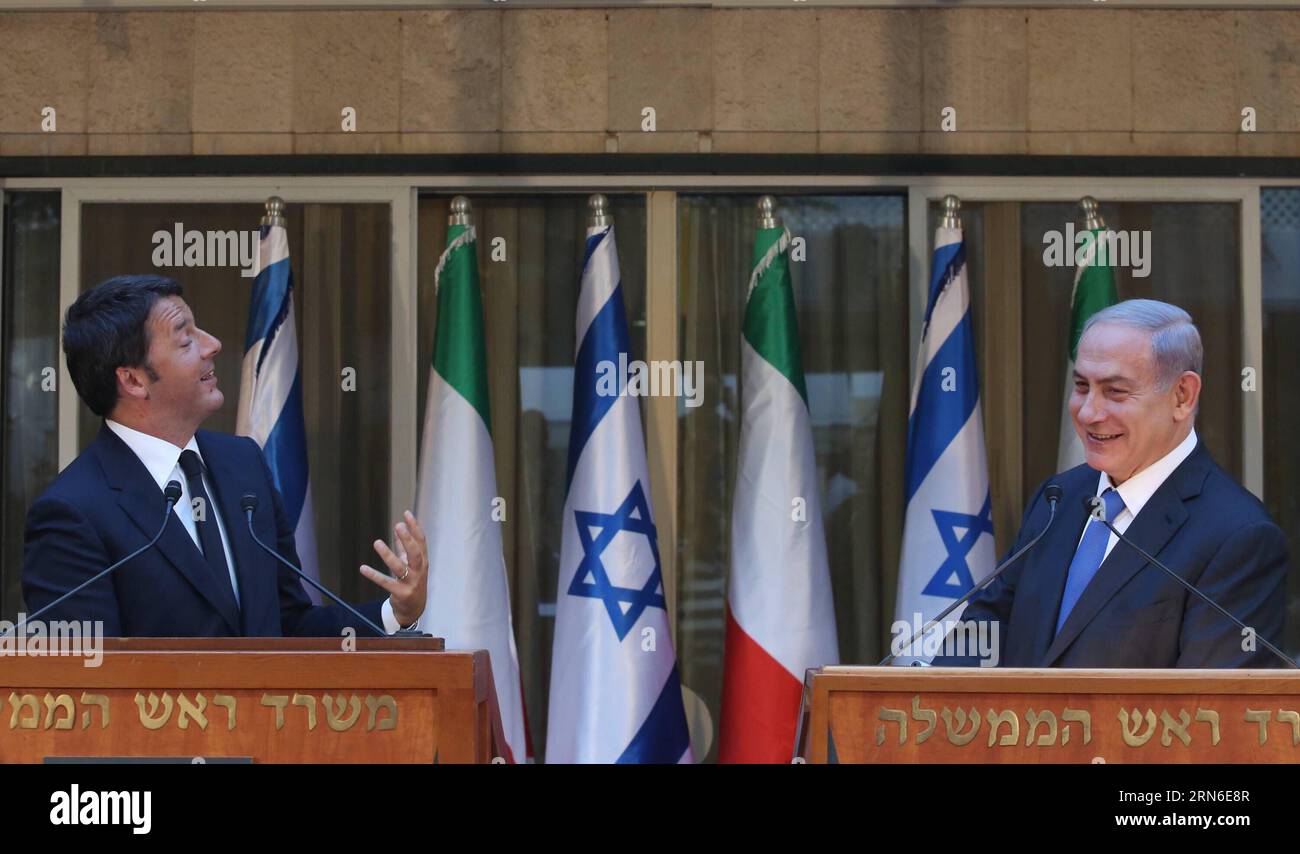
214 344
1090 411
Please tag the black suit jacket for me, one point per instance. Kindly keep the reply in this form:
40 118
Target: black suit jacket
105 505
1200 523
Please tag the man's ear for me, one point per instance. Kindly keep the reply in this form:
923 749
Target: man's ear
131 383
1187 394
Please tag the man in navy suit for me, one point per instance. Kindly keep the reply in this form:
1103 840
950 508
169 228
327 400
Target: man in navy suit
139 361
1082 598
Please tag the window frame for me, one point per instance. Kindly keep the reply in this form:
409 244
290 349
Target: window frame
401 193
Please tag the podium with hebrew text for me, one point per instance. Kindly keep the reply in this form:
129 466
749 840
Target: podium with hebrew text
971 715
252 699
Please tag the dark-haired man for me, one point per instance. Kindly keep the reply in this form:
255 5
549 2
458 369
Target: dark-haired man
139 361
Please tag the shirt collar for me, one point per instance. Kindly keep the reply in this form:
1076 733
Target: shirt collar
159 456
1138 489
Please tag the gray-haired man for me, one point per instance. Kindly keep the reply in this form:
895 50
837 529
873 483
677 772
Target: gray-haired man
1083 598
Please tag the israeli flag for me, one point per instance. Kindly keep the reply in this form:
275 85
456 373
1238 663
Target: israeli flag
615 691
948 532
270 391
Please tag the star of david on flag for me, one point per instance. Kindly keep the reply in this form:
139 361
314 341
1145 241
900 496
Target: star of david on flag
623 604
953 577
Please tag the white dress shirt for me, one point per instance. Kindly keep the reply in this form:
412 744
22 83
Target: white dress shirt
162 459
1138 489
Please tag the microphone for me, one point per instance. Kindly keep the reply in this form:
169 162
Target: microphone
1097 509
248 503
172 492
1053 495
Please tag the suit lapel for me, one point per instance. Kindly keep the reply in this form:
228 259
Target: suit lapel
142 500
229 488
1050 561
1159 520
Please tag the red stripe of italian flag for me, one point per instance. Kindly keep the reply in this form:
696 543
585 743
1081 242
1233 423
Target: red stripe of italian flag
780 617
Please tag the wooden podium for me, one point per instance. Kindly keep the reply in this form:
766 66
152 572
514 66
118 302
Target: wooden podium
252 699
952 715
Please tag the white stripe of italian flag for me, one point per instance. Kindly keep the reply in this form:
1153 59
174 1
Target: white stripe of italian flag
469 600
780 617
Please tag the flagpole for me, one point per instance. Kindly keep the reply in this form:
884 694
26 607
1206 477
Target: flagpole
274 215
598 215
951 212
460 211
767 212
1091 213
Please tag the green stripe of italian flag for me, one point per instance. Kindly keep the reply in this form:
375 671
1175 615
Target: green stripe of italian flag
1094 289
457 499
780 617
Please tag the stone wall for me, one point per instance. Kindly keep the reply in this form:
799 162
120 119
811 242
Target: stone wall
806 80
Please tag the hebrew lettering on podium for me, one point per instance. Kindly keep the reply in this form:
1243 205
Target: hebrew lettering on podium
955 735
382 702
1132 736
1013 724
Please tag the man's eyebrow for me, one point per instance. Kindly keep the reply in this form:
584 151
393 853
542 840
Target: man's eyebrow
1113 378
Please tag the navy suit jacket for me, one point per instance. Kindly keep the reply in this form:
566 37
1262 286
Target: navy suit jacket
1201 524
106 505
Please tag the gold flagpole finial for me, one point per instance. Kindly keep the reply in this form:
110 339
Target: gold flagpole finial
598 215
1091 213
274 212
951 211
460 211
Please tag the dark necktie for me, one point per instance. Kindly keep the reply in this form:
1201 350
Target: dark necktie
206 523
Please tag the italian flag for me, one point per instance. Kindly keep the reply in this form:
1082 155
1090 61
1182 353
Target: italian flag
469 601
780 618
1094 289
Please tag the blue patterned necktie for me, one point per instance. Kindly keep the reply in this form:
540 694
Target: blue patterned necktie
1088 557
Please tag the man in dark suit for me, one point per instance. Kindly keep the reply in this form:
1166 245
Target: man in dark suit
1082 598
139 361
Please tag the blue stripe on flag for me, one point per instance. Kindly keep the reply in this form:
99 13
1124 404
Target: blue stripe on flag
286 453
269 307
663 737
939 415
948 260
605 339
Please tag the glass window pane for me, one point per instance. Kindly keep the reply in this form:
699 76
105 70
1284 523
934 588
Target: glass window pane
530 291
29 341
1280 224
851 295
340 256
